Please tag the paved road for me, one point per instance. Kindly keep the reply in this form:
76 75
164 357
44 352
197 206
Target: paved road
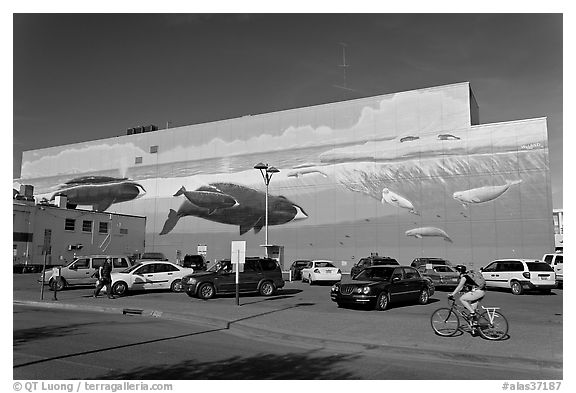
62 344
305 315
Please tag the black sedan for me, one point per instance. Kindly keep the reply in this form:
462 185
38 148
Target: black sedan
378 286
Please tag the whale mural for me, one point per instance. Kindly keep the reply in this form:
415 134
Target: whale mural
396 200
211 200
419 233
248 212
99 191
353 168
483 194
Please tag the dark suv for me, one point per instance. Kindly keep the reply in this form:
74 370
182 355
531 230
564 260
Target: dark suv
262 275
196 262
417 262
370 261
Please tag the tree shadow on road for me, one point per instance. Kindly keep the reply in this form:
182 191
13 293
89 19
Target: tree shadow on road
260 367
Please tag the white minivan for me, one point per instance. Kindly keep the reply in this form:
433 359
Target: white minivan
519 275
557 263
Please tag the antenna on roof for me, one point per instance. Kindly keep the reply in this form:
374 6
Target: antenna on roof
344 66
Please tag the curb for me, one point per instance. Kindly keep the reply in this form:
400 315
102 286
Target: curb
248 330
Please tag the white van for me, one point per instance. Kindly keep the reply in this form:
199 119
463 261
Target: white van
556 261
81 270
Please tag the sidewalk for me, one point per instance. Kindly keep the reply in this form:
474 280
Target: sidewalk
410 335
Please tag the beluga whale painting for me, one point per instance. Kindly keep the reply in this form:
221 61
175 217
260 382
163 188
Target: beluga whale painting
483 194
419 233
394 199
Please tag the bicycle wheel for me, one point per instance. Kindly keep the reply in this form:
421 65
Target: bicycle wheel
494 330
445 322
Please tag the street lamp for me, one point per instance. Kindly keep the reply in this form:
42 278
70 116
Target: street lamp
267 172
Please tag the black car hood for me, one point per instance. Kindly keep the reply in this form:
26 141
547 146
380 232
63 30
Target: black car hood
201 274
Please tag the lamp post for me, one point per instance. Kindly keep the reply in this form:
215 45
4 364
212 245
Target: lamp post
266 171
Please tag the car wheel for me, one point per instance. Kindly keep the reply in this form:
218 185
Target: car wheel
423 297
59 284
516 288
176 286
382 302
119 288
206 291
267 288
310 280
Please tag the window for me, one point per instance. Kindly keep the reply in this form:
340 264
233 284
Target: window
123 231
539 267
87 226
146 269
164 268
410 274
103 227
70 224
119 262
250 265
83 263
268 264
491 267
153 149
98 262
138 160
397 274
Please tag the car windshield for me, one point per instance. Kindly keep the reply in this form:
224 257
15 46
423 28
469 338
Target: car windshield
131 268
375 274
323 264
381 261
219 265
539 267
301 263
443 269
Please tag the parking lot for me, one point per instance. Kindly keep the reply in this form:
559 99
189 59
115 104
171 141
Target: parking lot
303 312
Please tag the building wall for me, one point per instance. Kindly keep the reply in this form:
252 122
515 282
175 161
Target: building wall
336 161
125 235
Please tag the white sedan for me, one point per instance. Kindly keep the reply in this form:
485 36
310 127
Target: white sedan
149 275
320 270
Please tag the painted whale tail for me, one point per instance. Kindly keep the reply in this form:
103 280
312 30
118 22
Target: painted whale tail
170 222
181 191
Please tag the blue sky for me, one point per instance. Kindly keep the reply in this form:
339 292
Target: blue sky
79 77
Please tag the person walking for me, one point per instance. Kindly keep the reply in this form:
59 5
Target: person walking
105 279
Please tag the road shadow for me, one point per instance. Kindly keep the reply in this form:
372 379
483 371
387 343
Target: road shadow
24 336
293 366
526 292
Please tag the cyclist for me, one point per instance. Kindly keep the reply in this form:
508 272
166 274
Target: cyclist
473 294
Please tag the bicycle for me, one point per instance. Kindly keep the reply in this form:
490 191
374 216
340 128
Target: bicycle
492 325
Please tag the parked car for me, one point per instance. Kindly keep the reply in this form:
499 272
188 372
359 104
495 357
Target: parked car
519 275
417 262
149 275
379 286
441 275
81 270
557 262
261 275
320 270
373 260
196 262
296 269
152 256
